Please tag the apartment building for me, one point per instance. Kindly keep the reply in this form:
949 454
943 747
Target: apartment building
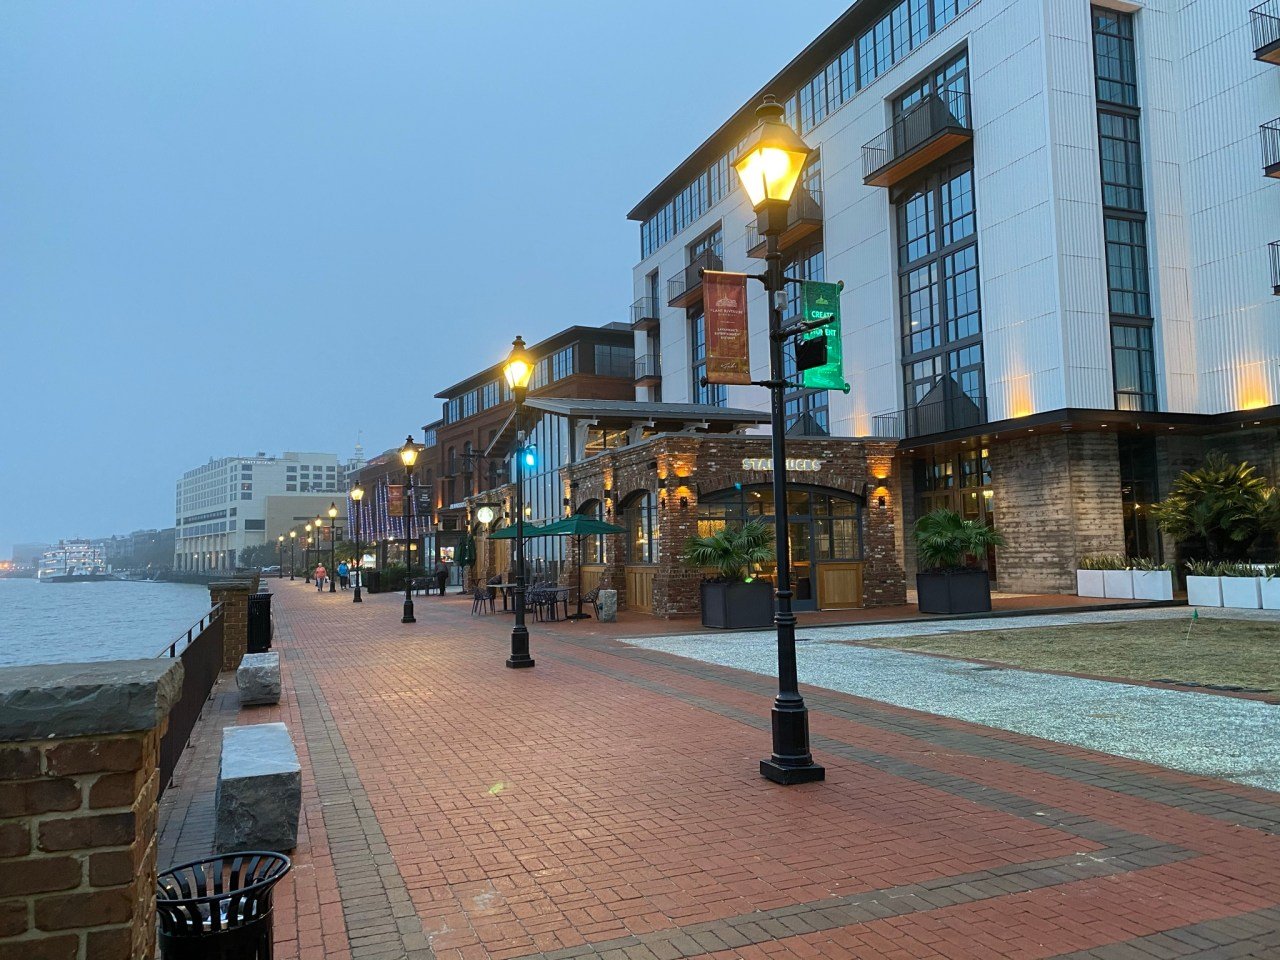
1058 229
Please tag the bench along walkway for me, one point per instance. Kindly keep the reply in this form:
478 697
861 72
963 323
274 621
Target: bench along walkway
607 804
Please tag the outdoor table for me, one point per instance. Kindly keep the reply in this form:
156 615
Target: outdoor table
561 595
506 590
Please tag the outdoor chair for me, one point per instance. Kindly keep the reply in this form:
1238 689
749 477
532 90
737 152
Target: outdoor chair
420 585
479 597
592 598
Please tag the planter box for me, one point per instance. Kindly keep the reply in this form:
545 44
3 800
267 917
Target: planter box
954 591
1089 583
735 606
1241 593
1118 584
1204 591
1152 585
1270 591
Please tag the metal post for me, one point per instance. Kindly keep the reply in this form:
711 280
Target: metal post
408 555
293 542
280 553
519 633
791 761
356 563
333 549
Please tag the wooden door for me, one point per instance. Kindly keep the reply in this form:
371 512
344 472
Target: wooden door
839 585
640 588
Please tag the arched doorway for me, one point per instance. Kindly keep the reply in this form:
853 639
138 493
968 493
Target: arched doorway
826 530
639 515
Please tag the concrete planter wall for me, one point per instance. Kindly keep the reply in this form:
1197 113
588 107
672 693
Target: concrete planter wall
1241 593
1269 589
1152 584
1117 584
1090 583
1204 591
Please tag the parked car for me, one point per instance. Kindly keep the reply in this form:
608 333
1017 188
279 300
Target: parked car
272 571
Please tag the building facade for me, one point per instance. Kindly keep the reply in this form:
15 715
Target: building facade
236 502
1056 228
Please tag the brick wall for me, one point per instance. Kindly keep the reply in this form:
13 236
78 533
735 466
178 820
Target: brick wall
234 596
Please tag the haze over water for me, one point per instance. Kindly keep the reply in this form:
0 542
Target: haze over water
110 620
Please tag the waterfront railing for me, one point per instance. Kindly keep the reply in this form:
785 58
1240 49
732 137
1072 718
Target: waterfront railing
200 649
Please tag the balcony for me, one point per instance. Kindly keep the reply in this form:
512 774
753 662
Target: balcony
1271 149
1275 268
648 370
686 289
931 128
644 314
1266 31
946 407
804 219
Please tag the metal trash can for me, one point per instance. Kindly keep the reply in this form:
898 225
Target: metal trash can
372 581
219 908
259 623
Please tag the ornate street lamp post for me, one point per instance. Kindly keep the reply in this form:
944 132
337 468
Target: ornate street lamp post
357 494
306 554
333 546
518 371
769 165
293 540
280 553
408 456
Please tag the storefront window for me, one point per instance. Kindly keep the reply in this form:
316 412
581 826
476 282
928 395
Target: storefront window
639 517
594 549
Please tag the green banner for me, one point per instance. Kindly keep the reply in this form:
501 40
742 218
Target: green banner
822 305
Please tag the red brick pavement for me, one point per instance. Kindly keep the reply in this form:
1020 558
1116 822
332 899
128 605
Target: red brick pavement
607 803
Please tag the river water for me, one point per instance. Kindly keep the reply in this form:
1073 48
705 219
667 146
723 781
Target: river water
109 620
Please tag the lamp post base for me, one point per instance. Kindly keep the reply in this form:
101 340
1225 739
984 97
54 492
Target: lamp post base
517 662
357 598
788 775
408 613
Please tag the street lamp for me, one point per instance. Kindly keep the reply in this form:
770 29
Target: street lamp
293 539
408 456
306 554
357 494
769 166
280 552
518 371
333 545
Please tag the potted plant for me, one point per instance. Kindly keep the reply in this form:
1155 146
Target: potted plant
734 598
947 549
1107 575
1220 511
1204 586
1269 587
1089 580
1152 580
1240 587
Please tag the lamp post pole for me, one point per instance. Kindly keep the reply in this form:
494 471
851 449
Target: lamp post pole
518 371
306 554
280 555
357 494
408 456
293 540
333 547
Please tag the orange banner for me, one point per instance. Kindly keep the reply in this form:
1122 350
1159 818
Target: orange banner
728 351
395 500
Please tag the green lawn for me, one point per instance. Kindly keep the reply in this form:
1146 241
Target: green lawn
1241 653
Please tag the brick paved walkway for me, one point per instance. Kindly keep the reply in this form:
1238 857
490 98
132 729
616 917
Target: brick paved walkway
607 804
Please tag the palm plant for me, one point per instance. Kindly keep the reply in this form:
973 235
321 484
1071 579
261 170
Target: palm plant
732 551
947 541
1219 510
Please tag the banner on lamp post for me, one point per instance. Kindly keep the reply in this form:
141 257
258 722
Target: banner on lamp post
821 303
395 500
728 351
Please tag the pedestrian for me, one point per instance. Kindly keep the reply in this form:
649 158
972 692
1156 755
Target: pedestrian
320 574
442 578
344 575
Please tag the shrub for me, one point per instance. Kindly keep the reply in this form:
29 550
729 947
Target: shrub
1104 561
1219 510
733 551
1145 565
946 541
1202 568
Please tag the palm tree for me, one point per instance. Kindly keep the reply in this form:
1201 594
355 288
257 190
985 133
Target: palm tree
1220 510
945 540
733 551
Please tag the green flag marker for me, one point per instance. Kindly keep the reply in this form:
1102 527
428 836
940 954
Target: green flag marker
822 305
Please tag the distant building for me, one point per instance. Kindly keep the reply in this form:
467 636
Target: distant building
236 502
26 556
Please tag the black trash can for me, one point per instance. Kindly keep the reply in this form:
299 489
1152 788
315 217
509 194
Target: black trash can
259 623
219 908
372 580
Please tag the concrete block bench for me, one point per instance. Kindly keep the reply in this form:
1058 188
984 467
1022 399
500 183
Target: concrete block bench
258 678
259 792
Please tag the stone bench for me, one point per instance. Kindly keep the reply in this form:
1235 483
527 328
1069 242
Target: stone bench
259 792
258 678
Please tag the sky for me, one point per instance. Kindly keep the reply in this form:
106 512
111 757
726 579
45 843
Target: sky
228 227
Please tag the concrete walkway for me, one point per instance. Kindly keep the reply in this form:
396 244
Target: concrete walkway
607 803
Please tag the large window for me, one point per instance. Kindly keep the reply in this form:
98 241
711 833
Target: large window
1135 371
640 517
713 393
614 361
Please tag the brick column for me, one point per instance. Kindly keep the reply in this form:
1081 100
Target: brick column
234 597
79 778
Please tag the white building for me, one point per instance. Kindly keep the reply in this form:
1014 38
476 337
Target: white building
236 502
1057 236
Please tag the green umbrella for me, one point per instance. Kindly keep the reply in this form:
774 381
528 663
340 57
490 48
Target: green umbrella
580 527
509 532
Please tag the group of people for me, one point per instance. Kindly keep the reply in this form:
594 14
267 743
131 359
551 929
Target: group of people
322 575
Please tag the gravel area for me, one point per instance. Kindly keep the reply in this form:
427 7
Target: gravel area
1216 736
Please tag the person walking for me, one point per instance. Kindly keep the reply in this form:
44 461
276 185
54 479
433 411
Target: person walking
442 578
344 575
320 575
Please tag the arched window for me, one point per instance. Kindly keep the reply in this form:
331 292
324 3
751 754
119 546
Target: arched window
594 549
640 517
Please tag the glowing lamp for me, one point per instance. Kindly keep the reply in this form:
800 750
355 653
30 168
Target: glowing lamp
770 162
357 493
409 453
333 511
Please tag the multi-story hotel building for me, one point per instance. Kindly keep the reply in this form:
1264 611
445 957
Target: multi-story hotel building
235 502
1057 230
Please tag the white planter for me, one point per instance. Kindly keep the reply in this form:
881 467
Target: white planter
1241 593
1089 583
1204 591
1270 590
1117 584
1152 585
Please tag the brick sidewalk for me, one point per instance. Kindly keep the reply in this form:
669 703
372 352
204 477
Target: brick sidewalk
607 804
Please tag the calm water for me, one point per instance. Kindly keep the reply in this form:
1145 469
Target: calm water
111 620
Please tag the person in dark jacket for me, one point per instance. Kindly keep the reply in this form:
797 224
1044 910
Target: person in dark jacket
442 578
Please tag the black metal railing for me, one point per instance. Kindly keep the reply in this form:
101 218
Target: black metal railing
648 366
690 279
200 649
1271 148
806 206
931 416
935 114
1265 19
1275 268
644 310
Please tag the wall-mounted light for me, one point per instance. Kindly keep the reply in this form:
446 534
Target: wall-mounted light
662 483
684 503
882 502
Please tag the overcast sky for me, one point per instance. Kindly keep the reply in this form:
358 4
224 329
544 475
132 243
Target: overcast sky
237 226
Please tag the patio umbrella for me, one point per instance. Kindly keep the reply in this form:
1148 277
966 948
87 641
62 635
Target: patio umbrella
579 527
509 532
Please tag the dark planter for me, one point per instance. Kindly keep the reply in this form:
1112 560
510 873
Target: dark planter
954 591
737 605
